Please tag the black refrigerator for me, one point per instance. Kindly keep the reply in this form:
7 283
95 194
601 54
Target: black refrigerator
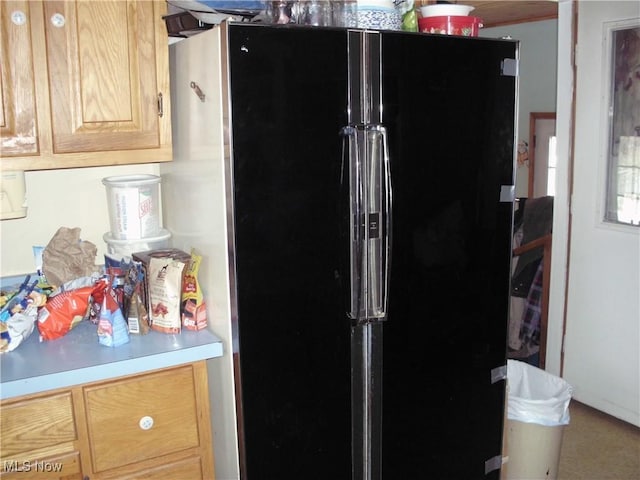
369 199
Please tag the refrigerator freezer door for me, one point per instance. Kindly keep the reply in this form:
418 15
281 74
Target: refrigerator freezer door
450 115
288 105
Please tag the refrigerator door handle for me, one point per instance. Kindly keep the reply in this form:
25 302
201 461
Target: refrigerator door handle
352 170
370 221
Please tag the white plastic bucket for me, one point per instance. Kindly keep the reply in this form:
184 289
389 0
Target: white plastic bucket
134 206
126 248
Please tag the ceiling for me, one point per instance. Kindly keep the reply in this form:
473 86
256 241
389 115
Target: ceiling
505 12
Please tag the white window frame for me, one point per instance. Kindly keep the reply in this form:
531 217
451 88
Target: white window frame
607 116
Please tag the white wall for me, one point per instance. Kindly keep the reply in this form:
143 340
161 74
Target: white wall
538 67
60 198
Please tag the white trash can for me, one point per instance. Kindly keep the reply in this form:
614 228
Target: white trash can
537 412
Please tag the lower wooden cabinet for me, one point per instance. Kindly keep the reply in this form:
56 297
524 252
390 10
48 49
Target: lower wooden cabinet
149 426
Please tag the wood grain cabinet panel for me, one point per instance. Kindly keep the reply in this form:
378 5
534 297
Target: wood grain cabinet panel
18 120
188 468
84 83
102 75
153 416
150 426
60 467
36 424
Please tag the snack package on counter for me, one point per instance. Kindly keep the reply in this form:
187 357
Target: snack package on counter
19 312
194 313
164 282
76 283
145 257
112 327
127 278
138 316
66 309
17 328
18 300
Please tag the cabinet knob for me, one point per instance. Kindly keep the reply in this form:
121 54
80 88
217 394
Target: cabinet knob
18 17
58 20
146 423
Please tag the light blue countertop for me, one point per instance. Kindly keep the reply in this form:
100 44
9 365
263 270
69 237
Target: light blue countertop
78 358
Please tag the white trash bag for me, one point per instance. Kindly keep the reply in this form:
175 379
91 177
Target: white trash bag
536 396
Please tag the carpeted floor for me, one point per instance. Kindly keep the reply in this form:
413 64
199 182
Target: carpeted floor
596 446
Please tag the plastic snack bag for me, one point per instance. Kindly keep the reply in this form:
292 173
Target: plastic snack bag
17 329
165 291
112 327
65 310
194 313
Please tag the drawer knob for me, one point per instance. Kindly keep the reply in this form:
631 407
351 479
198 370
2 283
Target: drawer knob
146 423
18 18
58 20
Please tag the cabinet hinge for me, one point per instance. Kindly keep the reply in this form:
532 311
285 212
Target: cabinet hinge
498 373
509 67
507 193
494 463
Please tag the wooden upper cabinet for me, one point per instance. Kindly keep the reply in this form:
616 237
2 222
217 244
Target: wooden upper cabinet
18 125
104 91
101 77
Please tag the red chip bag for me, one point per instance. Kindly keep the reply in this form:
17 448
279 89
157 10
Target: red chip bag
64 311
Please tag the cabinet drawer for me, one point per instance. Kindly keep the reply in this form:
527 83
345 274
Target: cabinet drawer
141 418
36 423
62 467
190 468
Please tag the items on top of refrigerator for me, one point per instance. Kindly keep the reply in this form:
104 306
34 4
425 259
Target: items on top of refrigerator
451 25
449 19
444 9
189 17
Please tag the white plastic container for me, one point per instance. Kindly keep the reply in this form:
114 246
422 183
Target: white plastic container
443 10
134 206
126 248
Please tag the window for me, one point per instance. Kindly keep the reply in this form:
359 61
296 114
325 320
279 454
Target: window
623 150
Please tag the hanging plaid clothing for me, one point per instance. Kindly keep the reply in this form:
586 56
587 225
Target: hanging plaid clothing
530 329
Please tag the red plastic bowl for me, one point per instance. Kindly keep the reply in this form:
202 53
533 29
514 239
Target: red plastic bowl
451 25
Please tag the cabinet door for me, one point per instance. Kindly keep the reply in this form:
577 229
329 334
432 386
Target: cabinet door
103 75
18 125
